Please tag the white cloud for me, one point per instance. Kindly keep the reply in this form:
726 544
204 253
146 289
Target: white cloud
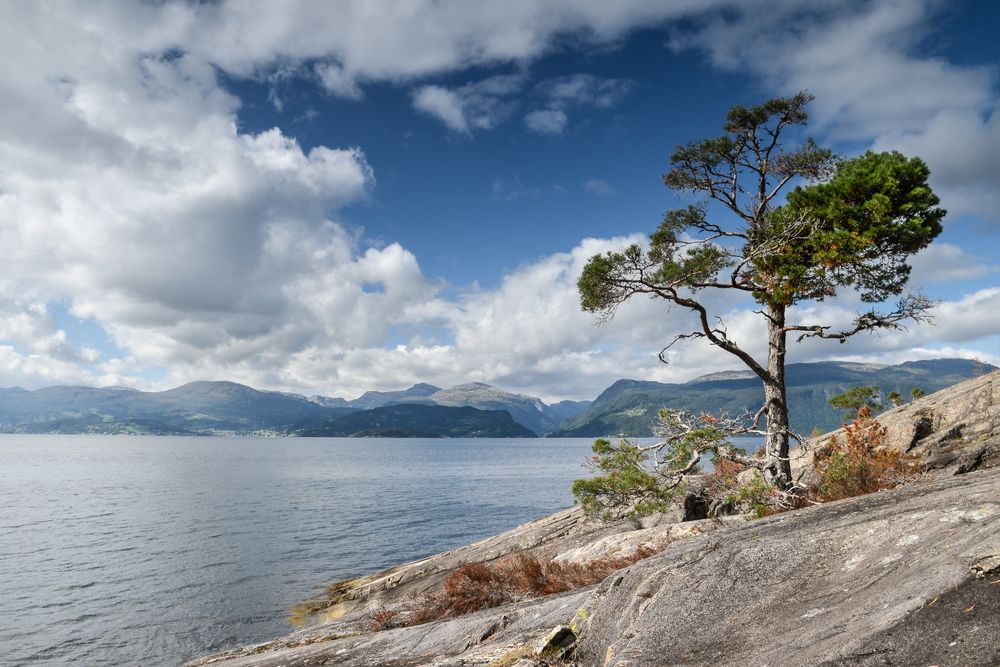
128 193
399 39
864 63
444 105
568 92
584 90
546 121
337 82
945 262
480 105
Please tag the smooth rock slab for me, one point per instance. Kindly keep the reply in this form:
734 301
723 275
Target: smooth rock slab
850 582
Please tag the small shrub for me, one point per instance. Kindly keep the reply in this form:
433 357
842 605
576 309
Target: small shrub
380 618
860 463
625 485
722 486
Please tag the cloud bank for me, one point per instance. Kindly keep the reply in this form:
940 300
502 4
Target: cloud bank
130 198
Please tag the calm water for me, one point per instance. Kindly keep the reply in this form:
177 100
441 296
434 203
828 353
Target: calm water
148 551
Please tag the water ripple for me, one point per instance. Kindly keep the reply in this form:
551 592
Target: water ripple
126 551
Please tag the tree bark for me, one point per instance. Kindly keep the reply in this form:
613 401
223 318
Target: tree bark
778 470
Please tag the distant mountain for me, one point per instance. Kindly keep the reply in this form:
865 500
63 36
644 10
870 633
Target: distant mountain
627 406
376 399
227 407
197 407
564 410
630 406
328 402
527 411
422 421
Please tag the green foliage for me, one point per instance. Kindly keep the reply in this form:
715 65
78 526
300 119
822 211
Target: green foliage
635 481
868 398
876 211
755 495
671 260
854 225
624 485
852 400
861 463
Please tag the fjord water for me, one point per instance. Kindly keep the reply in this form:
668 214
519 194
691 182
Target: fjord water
118 550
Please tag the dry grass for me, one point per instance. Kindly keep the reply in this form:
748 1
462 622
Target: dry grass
855 465
380 618
721 483
860 463
484 585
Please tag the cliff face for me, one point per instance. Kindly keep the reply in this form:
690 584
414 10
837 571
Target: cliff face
909 576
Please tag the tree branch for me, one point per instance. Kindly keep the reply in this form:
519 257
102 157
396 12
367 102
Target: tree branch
914 307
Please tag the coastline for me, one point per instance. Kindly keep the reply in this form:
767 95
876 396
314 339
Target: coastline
841 577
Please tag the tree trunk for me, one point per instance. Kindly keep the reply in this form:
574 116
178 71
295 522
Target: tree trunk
778 470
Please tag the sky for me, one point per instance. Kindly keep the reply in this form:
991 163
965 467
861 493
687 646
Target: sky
327 198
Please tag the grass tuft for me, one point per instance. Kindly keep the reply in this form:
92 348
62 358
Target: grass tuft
484 585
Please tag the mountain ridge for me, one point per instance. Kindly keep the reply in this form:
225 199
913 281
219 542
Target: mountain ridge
629 407
626 406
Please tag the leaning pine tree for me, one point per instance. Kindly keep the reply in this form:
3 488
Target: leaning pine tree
849 224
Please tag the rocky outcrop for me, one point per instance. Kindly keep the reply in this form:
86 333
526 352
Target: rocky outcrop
845 583
956 430
902 577
340 634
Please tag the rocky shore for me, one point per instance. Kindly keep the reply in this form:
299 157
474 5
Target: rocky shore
903 577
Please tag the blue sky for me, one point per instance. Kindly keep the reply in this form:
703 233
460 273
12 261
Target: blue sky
331 198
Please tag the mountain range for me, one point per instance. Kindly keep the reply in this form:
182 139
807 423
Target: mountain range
467 410
630 406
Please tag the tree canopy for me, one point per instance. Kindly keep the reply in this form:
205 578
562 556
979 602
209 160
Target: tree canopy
848 224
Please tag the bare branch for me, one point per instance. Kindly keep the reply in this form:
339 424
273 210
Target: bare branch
914 307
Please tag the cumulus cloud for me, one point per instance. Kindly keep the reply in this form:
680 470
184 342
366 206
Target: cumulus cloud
337 82
546 121
863 62
443 104
480 105
128 193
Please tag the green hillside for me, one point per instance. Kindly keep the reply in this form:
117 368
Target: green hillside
422 421
629 406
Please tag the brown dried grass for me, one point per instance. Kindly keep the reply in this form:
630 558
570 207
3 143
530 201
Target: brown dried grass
381 618
484 585
860 463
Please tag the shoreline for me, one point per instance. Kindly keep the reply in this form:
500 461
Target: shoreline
801 569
